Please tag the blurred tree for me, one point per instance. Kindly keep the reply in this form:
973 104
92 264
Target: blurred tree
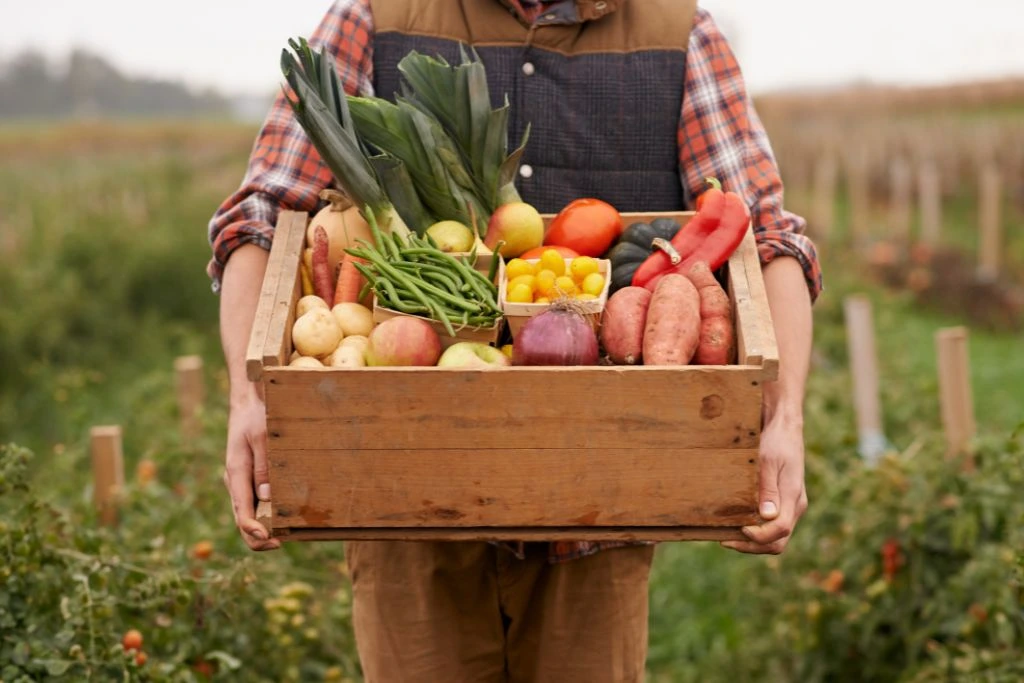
89 87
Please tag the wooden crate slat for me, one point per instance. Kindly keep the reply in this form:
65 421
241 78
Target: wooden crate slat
691 407
289 287
671 533
265 305
759 330
514 487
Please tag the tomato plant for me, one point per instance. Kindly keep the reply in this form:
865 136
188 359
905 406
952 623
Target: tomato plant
587 226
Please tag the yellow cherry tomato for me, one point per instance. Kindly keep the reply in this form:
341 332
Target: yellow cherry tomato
582 266
583 296
593 284
545 283
542 300
520 294
528 280
517 267
553 261
507 350
565 286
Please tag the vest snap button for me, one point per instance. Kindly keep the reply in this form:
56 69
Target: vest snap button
526 171
528 68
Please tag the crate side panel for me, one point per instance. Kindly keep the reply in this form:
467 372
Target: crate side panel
514 487
713 407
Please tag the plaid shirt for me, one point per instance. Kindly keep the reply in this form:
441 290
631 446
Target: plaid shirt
720 135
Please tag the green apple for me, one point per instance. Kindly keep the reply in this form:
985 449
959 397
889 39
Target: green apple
472 355
452 236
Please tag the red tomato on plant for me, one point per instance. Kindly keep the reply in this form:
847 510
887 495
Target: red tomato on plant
587 226
536 252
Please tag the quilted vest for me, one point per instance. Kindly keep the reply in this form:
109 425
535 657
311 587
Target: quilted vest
602 96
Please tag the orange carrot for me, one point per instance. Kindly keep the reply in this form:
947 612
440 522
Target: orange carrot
322 282
350 280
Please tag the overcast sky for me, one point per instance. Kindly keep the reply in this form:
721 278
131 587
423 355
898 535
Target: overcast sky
234 45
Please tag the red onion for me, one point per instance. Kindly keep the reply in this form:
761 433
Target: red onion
558 336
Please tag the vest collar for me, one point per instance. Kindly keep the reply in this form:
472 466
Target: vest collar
565 11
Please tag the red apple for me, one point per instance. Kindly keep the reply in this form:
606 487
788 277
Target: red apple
473 355
401 341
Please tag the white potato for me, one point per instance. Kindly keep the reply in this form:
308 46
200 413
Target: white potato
305 362
316 333
307 302
349 356
356 340
355 319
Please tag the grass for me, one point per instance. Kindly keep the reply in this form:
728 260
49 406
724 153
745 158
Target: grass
102 270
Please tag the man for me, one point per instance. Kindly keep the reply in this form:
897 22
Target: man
631 101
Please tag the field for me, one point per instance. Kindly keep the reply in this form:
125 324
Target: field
910 570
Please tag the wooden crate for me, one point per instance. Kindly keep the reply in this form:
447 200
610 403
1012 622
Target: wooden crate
519 453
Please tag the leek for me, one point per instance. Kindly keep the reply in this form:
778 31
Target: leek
376 183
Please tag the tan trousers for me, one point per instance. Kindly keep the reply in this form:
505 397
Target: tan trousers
474 613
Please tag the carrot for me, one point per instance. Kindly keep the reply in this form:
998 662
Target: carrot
307 281
322 282
350 280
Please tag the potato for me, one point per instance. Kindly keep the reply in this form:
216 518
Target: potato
306 303
673 322
350 356
358 341
355 319
622 325
305 362
316 333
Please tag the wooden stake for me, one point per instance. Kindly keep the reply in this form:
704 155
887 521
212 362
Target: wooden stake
859 189
955 392
823 210
901 189
860 337
930 199
990 220
107 470
189 375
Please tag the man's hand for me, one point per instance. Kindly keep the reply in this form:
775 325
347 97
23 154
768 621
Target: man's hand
246 470
783 497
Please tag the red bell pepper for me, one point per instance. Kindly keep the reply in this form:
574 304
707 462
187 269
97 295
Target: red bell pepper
719 245
688 239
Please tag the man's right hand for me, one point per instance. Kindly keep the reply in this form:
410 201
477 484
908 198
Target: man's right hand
246 470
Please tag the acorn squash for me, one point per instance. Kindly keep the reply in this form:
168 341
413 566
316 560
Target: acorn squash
635 244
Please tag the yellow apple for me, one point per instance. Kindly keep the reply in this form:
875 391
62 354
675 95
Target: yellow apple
518 225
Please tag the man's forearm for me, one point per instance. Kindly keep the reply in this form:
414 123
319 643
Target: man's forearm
239 296
790 304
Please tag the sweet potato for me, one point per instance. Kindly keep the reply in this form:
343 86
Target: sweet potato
673 322
622 325
717 345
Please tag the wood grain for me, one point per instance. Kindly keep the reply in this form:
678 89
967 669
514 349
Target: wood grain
670 533
514 487
759 326
605 407
265 305
289 288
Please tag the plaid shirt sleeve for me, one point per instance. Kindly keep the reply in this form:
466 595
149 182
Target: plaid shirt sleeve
285 171
721 136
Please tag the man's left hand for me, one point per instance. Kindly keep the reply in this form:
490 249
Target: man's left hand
783 497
